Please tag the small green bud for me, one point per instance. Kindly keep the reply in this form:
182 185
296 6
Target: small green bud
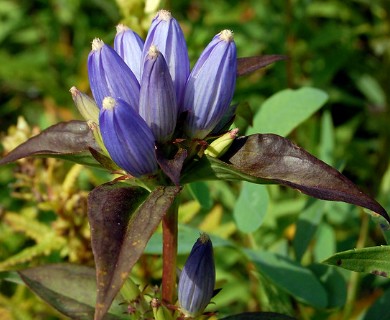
219 146
86 105
130 290
160 312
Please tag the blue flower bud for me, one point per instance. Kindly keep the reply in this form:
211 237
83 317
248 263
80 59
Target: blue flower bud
197 279
210 86
129 46
127 137
109 76
157 103
165 33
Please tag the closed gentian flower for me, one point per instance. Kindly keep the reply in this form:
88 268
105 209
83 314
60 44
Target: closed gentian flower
127 137
197 279
165 33
129 46
109 76
210 86
157 103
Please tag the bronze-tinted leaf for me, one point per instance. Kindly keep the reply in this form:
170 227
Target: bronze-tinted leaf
67 140
71 289
278 160
172 167
122 222
250 64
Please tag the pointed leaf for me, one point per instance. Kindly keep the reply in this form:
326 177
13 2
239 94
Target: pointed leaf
278 160
122 222
66 140
250 64
375 260
286 109
258 316
71 289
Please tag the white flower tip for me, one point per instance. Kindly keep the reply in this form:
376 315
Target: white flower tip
121 28
97 44
109 103
74 91
164 15
153 51
226 35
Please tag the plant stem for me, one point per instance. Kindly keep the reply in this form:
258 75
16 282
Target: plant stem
169 225
355 277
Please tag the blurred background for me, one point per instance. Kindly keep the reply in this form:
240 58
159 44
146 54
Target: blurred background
341 47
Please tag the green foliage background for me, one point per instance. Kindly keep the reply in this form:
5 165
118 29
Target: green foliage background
341 47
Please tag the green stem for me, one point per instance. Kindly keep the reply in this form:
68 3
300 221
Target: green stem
353 285
170 231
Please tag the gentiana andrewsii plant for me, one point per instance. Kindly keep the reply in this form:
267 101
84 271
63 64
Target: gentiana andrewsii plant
158 125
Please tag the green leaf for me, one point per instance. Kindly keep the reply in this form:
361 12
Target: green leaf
287 109
71 289
307 225
333 282
200 191
66 140
375 260
380 309
250 64
325 242
275 159
258 316
298 281
122 220
327 139
251 207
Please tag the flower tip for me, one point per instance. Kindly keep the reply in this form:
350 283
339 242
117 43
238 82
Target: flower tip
74 91
153 51
109 103
163 15
226 35
233 133
97 44
121 28
204 238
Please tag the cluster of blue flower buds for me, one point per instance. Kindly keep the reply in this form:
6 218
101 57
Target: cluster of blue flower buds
141 89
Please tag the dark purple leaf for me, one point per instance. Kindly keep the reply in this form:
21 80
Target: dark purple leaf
269 158
71 289
172 167
67 140
258 316
250 64
122 222
278 160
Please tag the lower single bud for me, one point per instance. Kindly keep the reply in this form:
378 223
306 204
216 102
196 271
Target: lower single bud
197 279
